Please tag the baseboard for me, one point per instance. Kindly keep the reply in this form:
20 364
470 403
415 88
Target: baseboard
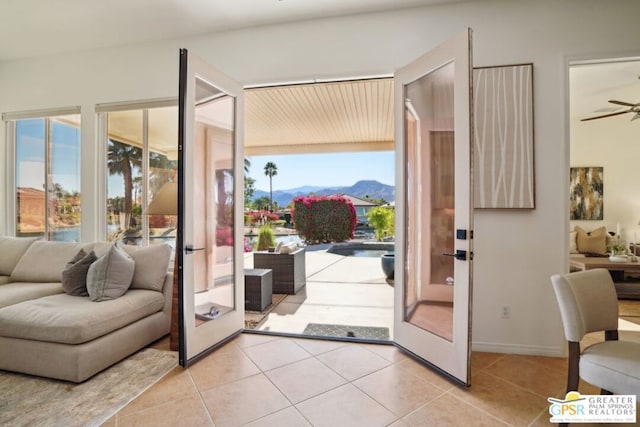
519 349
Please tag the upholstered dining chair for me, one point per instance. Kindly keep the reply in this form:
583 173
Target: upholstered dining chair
588 303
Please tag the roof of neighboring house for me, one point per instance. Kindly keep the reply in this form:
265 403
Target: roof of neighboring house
357 201
28 191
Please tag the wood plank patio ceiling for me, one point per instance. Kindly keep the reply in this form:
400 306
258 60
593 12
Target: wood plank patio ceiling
320 117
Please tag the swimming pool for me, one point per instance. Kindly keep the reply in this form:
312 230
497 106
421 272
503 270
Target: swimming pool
362 249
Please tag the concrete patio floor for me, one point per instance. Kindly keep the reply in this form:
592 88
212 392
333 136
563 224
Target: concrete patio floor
341 290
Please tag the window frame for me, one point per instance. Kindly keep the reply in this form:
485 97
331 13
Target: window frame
102 111
11 191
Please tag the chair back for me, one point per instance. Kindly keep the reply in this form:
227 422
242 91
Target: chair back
588 302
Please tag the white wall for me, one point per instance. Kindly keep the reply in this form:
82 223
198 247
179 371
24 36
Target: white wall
613 143
515 251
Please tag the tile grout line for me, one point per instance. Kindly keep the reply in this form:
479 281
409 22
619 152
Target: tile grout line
478 408
204 404
293 405
539 416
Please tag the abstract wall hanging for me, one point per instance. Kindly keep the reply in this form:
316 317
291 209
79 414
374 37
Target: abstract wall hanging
586 187
503 137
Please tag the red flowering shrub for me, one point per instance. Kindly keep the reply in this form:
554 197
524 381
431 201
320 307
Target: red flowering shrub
247 246
320 219
224 236
261 217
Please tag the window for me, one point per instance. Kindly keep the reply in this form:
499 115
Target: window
141 161
46 147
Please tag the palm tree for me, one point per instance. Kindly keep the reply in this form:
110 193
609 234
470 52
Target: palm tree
121 160
270 170
161 171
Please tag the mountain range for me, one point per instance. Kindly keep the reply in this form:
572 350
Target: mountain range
361 189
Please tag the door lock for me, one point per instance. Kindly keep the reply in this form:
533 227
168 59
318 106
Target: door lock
460 254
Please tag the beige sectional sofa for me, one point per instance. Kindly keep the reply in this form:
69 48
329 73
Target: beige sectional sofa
47 332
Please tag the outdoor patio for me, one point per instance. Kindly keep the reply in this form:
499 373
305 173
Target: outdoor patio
342 293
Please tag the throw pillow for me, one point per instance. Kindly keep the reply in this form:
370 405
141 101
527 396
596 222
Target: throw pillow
151 265
592 243
573 244
74 276
109 277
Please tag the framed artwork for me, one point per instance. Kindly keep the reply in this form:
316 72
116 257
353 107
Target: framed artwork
503 137
586 193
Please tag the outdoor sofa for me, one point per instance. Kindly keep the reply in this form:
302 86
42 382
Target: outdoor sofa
51 327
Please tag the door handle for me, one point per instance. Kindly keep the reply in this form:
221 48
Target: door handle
460 254
189 249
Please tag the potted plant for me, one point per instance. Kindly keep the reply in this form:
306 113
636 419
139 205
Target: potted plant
618 251
388 266
266 238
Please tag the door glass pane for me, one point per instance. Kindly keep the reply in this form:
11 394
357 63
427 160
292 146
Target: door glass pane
163 170
213 205
429 281
124 181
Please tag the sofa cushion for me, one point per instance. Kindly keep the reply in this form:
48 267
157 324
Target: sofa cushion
11 250
5 279
593 242
16 292
50 258
68 319
613 365
110 276
74 276
152 263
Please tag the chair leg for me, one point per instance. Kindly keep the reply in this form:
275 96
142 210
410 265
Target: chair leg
573 376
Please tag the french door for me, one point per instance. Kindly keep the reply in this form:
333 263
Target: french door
433 207
210 202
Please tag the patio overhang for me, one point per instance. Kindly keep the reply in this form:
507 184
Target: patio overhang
330 117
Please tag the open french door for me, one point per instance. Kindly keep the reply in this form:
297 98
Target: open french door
209 238
433 207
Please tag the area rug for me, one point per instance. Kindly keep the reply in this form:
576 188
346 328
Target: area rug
34 401
364 332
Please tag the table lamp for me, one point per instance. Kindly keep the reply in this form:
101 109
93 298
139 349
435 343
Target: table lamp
165 202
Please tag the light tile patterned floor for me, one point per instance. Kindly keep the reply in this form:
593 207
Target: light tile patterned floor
260 380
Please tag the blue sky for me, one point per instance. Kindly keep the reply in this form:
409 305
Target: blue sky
31 151
324 170
294 170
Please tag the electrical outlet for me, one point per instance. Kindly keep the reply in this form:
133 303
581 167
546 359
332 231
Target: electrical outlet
506 312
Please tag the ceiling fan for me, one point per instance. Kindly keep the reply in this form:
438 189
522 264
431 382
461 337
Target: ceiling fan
633 108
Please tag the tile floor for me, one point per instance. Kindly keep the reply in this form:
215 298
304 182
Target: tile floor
260 380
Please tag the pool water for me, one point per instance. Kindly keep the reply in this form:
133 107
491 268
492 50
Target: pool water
370 253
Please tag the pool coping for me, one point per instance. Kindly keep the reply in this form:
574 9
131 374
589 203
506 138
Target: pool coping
338 247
